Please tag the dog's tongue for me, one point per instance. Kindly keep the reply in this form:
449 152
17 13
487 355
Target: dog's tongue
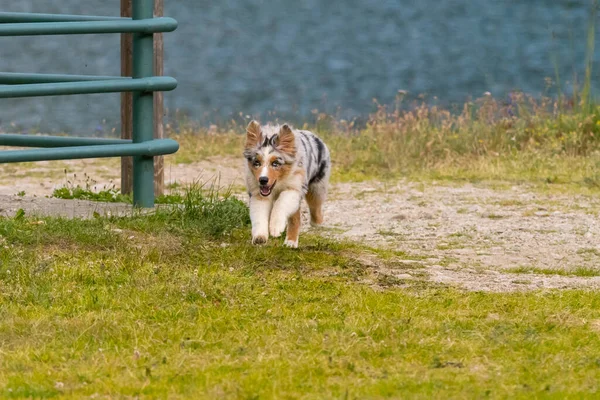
265 190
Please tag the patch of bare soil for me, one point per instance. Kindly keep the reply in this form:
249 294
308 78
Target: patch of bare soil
472 236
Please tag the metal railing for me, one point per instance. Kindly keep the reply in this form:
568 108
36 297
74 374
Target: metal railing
143 147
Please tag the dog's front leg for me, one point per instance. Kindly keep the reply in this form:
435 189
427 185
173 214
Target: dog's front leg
260 209
286 205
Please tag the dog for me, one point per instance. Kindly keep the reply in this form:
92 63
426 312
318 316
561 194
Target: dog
283 166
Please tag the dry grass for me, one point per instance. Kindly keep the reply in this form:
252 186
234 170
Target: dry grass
521 139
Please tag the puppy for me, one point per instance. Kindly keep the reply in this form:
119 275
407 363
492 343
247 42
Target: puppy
284 166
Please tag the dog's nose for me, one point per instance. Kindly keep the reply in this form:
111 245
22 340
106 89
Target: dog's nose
263 180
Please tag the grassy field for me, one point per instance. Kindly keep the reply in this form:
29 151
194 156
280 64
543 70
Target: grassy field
178 304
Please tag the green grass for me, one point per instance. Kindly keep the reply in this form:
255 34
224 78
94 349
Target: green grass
578 271
178 304
205 193
107 195
89 191
589 251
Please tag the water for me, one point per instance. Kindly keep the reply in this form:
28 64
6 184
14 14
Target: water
295 56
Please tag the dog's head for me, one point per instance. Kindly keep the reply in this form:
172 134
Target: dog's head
270 151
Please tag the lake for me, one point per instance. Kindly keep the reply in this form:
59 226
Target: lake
287 58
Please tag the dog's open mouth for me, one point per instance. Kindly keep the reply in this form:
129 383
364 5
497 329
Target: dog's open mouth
266 189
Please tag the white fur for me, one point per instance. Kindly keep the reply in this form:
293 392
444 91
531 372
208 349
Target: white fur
264 171
287 203
269 215
291 243
260 210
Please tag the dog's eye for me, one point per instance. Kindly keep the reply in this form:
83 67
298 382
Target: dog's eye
275 164
256 164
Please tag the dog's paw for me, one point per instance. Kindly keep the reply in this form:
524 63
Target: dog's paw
259 239
276 227
316 220
291 243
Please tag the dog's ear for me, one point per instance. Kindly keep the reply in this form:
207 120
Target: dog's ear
253 134
286 142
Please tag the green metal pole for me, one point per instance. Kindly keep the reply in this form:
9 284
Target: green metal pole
15 139
144 85
148 149
19 78
164 24
15 17
143 107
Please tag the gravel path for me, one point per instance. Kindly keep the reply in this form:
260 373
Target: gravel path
473 236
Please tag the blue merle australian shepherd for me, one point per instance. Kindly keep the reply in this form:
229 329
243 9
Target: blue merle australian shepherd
284 166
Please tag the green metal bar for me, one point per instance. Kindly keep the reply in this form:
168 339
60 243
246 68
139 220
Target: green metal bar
17 78
15 17
143 106
146 25
148 149
156 83
10 139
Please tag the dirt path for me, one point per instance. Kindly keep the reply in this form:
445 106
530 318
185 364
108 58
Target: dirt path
471 236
